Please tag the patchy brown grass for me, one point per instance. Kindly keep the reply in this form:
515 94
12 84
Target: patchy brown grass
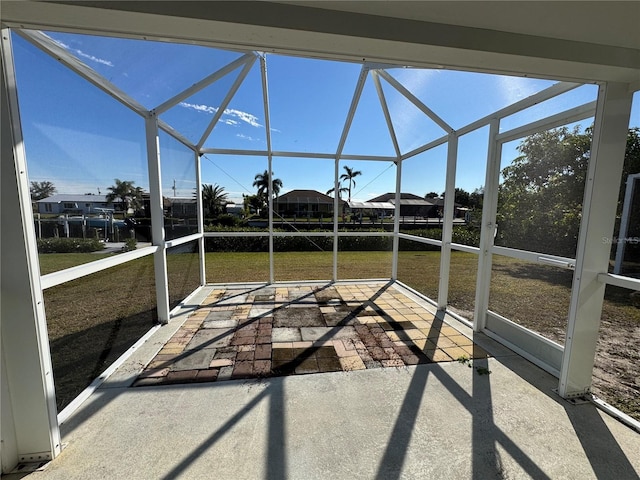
93 320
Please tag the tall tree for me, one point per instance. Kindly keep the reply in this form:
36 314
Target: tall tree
540 198
261 182
341 190
126 192
475 198
349 175
430 195
40 190
214 199
462 197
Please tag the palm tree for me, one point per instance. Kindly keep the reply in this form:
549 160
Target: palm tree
40 190
261 181
341 190
124 191
214 199
349 176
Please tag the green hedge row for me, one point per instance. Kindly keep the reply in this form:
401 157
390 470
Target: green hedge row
69 245
311 244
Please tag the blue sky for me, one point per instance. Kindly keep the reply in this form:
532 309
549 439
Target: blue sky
81 139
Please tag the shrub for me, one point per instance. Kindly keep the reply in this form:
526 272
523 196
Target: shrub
227 220
356 243
69 245
130 244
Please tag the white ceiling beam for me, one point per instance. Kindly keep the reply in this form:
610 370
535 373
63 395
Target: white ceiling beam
352 109
225 103
559 119
385 110
416 101
205 82
543 95
55 50
322 33
265 100
165 127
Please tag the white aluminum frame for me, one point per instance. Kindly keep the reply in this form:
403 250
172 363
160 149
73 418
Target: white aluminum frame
29 422
587 293
624 221
612 106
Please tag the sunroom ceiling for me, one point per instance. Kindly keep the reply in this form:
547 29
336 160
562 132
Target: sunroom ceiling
570 40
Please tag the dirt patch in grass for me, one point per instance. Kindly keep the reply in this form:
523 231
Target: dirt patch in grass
616 374
537 297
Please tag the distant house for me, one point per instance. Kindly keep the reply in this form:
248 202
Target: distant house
439 203
61 204
181 206
410 205
304 203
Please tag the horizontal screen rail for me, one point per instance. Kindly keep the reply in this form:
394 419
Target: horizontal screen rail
73 273
182 240
465 248
536 257
430 241
620 281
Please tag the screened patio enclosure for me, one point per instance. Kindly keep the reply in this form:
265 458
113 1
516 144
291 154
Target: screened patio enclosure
173 127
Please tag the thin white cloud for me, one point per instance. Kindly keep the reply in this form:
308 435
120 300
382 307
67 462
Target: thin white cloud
230 116
82 54
93 58
513 89
199 108
246 137
243 116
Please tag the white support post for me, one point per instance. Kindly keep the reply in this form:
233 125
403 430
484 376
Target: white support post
200 207
157 218
598 215
487 233
336 215
447 223
270 191
398 162
29 424
343 138
267 126
396 221
624 222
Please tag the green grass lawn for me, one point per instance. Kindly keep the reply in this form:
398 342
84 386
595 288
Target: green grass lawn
94 319
53 262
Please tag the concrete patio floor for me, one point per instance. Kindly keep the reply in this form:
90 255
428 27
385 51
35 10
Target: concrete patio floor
431 420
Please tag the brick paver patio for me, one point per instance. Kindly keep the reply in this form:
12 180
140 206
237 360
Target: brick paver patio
274 331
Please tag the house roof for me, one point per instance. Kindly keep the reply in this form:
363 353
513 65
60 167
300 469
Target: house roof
390 197
63 197
440 202
309 196
184 200
372 205
405 199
